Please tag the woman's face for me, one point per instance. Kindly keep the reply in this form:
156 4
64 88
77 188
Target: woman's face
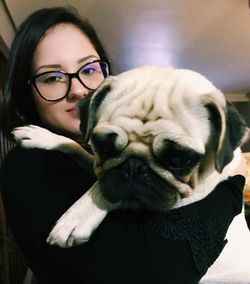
64 48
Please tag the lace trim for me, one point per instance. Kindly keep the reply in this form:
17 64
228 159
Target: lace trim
205 237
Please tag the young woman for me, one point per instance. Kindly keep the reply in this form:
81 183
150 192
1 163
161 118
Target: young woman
38 186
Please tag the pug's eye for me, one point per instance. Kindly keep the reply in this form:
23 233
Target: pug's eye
104 144
178 158
180 161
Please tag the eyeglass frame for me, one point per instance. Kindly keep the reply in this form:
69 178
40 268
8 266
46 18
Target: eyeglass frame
32 81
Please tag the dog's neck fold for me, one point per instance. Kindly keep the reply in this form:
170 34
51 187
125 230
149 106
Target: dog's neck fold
211 181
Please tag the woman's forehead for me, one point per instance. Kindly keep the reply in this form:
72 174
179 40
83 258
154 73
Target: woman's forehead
62 45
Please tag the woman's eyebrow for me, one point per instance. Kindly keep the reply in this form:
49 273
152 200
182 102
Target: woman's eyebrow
48 66
59 66
93 57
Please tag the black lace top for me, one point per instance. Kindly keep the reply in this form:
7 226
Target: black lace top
128 247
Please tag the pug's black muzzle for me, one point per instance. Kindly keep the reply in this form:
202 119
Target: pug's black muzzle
133 181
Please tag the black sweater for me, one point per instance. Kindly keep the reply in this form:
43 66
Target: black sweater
129 247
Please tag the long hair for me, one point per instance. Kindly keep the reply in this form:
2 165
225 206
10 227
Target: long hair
18 106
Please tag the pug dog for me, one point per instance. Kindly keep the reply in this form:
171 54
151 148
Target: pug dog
162 138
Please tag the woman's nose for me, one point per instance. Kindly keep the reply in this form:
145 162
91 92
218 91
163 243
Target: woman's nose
77 90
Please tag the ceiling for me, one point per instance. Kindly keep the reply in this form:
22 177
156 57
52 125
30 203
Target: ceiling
211 37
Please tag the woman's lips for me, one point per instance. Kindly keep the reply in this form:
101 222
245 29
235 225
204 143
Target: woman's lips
73 111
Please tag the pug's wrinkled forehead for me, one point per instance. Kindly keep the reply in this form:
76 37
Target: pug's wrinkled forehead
153 101
177 83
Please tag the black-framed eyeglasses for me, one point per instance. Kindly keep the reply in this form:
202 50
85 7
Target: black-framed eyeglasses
55 85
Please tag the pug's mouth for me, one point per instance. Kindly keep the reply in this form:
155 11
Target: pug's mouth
134 183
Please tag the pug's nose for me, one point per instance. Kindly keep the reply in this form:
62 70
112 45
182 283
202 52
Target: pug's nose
135 168
127 181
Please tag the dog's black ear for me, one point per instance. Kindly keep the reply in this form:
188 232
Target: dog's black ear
88 110
83 110
230 131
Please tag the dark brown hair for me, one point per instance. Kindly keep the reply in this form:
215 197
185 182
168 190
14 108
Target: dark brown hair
18 107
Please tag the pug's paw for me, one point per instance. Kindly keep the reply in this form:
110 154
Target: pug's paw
33 136
72 228
76 226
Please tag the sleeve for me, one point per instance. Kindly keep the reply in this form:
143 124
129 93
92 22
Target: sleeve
38 186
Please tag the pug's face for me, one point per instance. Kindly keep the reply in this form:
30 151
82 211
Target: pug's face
156 132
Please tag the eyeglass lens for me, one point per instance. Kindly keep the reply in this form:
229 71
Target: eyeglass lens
56 84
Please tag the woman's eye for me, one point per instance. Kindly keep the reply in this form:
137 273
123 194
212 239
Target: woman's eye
53 78
88 71
91 69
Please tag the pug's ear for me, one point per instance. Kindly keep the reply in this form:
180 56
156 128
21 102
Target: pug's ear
230 130
88 109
